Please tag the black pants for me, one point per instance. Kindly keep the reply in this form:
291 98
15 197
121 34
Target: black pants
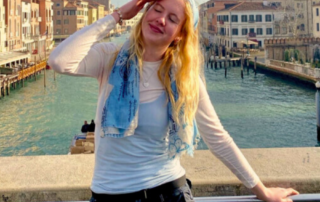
181 194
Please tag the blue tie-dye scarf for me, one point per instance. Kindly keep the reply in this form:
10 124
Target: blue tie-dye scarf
120 113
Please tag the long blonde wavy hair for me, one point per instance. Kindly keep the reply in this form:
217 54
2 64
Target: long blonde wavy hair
185 57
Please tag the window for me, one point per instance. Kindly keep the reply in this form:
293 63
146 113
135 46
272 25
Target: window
65 12
58 4
317 11
258 18
58 12
251 30
318 27
268 18
66 31
66 21
58 31
251 18
234 18
298 5
284 30
72 12
244 18
301 15
269 31
259 31
234 31
244 31
302 27
58 22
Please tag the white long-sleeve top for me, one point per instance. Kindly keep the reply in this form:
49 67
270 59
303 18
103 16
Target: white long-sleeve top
81 55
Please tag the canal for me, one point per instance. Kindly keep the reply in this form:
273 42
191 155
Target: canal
258 112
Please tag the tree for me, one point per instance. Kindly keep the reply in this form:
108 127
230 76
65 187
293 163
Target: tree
289 18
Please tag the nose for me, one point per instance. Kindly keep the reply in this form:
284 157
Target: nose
161 20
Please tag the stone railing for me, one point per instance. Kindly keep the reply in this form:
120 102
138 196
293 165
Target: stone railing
304 70
68 177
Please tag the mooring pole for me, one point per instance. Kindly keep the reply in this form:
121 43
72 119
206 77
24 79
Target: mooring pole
318 110
255 65
242 67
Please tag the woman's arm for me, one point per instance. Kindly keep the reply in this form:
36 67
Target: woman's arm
80 54
222 145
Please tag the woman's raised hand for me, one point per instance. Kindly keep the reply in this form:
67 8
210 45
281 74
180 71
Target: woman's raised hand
130 9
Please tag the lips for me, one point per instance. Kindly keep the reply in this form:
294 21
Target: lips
155 29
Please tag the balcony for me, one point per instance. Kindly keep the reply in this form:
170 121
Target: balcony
221 22
251 21
222 33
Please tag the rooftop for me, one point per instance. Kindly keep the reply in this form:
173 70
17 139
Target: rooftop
250 6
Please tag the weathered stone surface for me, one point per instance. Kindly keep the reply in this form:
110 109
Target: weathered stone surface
68 177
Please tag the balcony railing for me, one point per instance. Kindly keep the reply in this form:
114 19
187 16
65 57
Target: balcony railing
222 33
251 21
221 22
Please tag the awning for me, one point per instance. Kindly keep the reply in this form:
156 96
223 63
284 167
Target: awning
249 42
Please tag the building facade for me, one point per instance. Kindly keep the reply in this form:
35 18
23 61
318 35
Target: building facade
3 34
92 14
245 22
13 22
316 20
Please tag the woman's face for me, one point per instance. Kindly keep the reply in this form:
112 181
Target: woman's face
163 22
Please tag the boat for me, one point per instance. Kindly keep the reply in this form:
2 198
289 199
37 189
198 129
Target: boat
82 144
118 34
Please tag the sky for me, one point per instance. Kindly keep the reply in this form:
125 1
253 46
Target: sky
119 3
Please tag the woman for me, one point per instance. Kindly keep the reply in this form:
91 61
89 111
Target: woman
151 104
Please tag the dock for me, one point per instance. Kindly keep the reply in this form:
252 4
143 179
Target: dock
11 77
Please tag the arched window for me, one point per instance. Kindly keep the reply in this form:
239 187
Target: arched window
302 27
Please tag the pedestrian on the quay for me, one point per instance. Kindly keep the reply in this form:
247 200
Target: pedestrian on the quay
92 126
85 127
152 105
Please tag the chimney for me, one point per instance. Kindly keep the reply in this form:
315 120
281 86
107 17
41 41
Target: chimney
265 3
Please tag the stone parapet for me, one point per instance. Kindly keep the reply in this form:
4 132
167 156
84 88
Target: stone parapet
303 70
68 177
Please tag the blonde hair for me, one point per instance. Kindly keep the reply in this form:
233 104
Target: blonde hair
185 57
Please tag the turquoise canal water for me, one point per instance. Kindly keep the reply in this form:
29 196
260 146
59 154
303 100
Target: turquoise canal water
258 112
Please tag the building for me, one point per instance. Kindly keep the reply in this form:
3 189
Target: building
69 17
133 21
13 22
27 39
46 24
92 14
99 7
245 22
105 3
3 34
316 20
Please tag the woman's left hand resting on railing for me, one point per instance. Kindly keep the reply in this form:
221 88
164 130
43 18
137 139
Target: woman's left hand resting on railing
273 194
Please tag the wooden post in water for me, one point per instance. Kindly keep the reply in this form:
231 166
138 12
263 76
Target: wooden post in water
225 67
44 77
242 67
8 87
54 75
255 65
22 76
0 88
318 110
